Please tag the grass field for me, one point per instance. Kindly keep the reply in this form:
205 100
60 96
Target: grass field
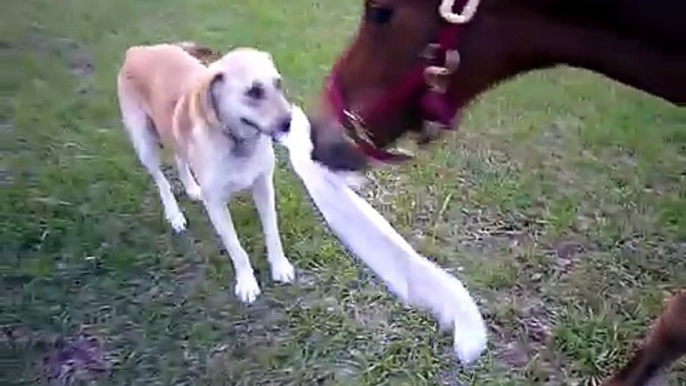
561 203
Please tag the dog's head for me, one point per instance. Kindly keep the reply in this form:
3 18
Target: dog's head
242 94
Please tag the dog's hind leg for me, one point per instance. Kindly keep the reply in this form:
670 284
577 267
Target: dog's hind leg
192 188
263 195
146 142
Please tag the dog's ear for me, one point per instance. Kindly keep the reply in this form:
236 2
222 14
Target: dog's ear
205 99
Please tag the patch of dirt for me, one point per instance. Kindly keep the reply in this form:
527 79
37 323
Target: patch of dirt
81 64
566 253
537 328
80 61
514 354
75 360
6 178
15 336
520 335
6 45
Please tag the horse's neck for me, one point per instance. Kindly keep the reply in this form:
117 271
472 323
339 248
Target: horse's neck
639 371
631 61
662 347
612 41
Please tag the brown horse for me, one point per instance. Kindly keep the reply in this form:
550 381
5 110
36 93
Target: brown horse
408 65
415 64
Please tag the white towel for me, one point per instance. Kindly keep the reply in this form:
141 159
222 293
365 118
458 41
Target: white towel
372 239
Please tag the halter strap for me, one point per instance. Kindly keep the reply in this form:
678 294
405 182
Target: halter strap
421 84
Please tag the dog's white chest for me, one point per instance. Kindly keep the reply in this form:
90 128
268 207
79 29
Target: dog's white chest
241 174
226 173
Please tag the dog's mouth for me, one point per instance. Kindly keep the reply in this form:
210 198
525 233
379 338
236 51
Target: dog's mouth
276 133
251 123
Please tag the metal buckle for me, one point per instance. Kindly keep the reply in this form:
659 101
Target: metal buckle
437 76
358 133
358 128
429 52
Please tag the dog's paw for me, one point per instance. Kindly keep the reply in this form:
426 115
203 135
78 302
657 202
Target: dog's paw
177 221
247 288
283 271
194 193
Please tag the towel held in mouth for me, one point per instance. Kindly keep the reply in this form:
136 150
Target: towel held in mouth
413 278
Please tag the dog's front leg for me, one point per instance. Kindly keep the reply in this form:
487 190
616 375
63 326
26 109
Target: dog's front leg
263 195
247 288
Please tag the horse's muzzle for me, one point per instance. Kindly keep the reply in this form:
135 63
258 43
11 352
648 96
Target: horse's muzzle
334 149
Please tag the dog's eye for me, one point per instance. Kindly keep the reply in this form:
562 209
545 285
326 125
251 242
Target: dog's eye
379 14
255 92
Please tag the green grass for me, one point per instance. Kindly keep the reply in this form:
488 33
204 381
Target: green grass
561 203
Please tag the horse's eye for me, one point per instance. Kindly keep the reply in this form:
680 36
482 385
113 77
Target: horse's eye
379 15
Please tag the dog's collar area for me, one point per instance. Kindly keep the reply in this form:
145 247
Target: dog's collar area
238 141
240 147
228 133
258 129
226 130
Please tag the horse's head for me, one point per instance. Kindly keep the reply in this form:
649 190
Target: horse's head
410 68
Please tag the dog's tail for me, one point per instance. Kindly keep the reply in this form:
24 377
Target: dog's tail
204 54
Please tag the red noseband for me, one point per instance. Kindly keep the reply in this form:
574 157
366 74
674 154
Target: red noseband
426 83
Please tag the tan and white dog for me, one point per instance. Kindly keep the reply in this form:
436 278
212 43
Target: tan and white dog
219 119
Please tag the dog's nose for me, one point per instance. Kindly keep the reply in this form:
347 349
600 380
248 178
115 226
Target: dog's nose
285 124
